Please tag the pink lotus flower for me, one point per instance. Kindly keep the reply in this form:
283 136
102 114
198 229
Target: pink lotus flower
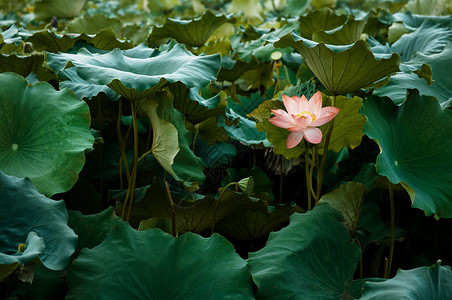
303 117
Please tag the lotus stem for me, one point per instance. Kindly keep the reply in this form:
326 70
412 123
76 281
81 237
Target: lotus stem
216 205
173 210
135 158
308 182
325 152
391 247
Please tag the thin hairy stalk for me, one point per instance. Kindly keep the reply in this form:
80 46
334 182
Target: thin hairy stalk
148 144
135 158
360 265
212 229
391 247
308 181
101 169
173 209
325 152
121 145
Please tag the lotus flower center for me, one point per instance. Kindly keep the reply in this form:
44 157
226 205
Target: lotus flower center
14 147
305 112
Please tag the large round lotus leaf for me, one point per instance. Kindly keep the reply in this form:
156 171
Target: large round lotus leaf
424 283
416 148
27 217
194 32
43 133
342 69
312 258
152 264
138 72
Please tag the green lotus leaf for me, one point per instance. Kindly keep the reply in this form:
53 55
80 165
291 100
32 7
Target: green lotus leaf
83 88
28 217
163 267
43 135
194 33
413 21
347 129
245 130
92 229
345 34
195 108
434 282
52 42
342 69
171 141
417 161
193 213
348 199
231 70
440 64
296 262
25 65
257 221
430 38
11 39
46 9
94 24
138 72
324 19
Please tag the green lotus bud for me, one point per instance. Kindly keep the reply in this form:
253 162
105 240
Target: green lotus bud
247 185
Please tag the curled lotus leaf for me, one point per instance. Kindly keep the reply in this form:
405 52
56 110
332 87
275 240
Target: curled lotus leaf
137 73
342 69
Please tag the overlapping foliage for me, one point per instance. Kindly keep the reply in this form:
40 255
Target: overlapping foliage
147 123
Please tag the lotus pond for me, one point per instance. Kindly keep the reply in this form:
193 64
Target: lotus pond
244 149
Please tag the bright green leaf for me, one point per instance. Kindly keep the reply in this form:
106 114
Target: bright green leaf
415 148
44 133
